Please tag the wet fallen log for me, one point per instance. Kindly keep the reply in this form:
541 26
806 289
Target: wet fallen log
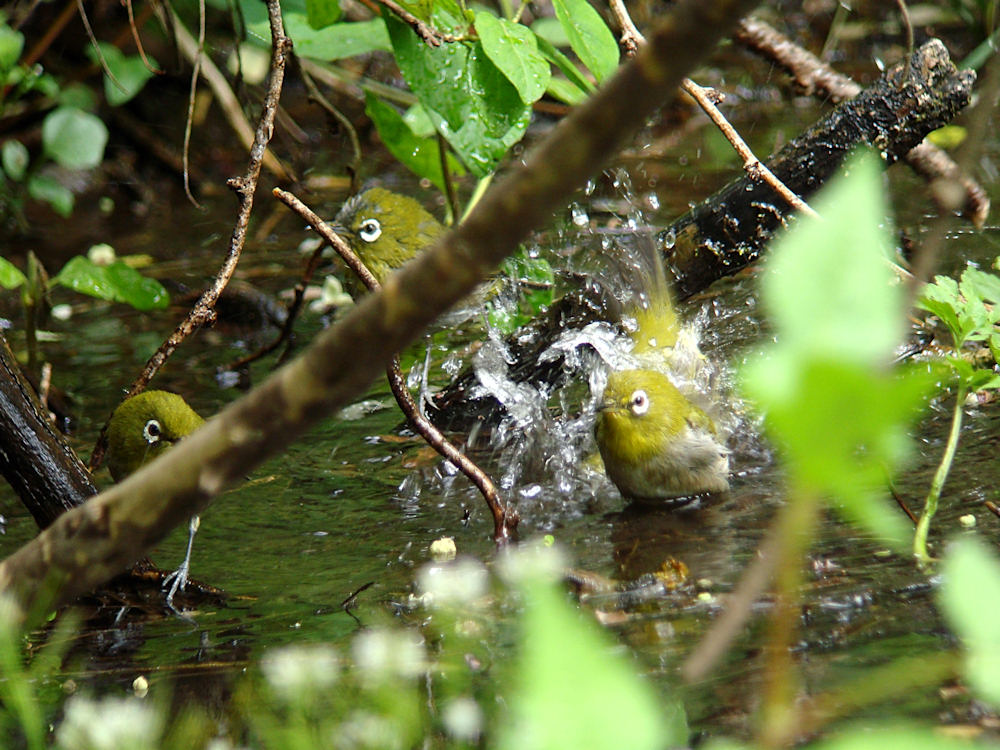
730 230
34 459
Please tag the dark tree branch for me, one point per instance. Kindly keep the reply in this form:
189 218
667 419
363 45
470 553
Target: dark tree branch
816 78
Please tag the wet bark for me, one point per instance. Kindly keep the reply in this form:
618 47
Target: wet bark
34 459
730 230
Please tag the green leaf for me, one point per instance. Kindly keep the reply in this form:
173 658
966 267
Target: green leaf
470 102
10 275
969 596
419 121
836 410
513 49
44 188
897 738
334 42
420 155
564 91
73 138
14 157
322 13
847 460
549 29
77 95
116 282
827 286
11 46
564 64
575 692
984 286
589 36
127 76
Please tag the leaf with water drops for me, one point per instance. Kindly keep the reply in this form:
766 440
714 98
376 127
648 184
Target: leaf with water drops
589 36
513 49
420 155
470 102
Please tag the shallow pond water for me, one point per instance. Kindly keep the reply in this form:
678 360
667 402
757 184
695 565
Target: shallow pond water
360 499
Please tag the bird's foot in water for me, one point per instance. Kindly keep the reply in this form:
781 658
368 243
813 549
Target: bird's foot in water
176 581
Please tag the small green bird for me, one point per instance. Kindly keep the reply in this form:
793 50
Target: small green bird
656 444
142 428
386 230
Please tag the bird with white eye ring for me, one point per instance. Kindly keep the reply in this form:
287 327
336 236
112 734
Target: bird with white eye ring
385 230
141 429
656 445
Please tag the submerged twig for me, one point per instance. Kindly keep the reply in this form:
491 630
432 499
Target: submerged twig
245 186
505 518
292 315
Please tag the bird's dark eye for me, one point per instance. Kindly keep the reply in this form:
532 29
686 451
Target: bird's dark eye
639 403
370 230
152 431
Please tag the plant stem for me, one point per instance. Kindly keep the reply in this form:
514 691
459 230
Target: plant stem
931 503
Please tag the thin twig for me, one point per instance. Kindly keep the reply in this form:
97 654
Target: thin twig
428 33
631 38
245 186
192 93
751 164
138 41
97 47
904 12
505 518
224 95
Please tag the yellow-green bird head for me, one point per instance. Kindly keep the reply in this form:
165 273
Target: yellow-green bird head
386 229
145 426
656 444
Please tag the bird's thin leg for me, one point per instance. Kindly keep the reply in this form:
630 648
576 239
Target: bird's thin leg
179 578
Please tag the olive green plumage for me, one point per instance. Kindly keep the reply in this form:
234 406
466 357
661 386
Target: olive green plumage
145 426
656 444
386 230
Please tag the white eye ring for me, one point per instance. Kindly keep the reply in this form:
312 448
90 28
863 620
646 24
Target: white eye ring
151 431
370 230
639 403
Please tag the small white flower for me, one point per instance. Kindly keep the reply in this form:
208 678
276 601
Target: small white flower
102 254
458 582
295 672
463 718
533 561
109 724
384 654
